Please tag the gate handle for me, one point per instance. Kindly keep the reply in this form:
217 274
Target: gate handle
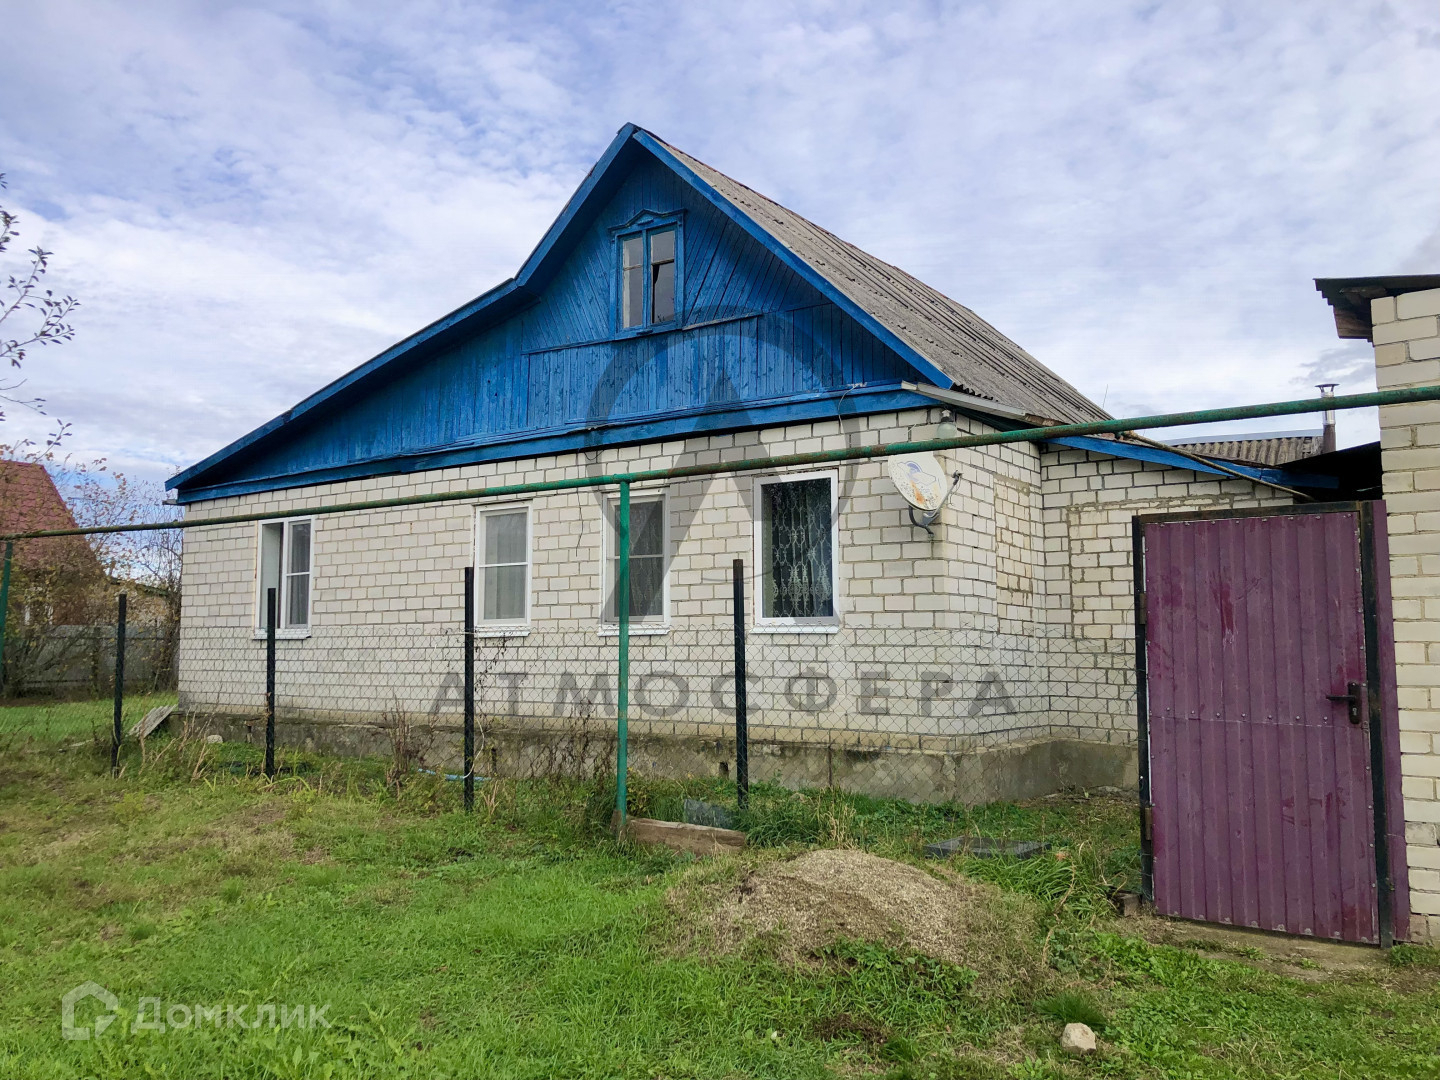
1352 699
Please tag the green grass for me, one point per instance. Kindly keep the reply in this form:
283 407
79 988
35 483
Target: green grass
45 720
522 942
1073 1007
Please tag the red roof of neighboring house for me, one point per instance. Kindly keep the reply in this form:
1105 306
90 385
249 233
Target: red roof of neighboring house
29 501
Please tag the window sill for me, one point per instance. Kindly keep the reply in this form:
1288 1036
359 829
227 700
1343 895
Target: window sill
795 628
624 332
637 630
501 631
289 634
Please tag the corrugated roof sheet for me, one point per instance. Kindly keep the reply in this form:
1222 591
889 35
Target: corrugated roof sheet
1272 451
981 360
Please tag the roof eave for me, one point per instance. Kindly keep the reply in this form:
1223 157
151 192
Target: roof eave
1350 298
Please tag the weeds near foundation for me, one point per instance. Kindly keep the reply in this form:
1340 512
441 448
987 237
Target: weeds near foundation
410 744
1421 956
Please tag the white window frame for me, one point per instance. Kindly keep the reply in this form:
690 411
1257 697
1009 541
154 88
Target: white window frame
502 627
609 533
762 623
292 633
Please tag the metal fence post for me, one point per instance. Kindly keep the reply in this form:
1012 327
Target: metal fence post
271 603
5 607
118 732
469 652
622 616
742 728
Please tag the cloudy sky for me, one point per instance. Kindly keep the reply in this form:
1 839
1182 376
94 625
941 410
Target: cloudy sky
250 199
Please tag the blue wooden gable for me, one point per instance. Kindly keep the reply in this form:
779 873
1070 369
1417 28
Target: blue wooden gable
540 365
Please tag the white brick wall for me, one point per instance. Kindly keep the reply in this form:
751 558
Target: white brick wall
1014 622
1407 353
1088 569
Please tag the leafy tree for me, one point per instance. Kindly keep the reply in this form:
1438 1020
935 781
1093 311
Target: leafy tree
44 315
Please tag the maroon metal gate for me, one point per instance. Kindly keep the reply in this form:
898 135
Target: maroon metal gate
1261 714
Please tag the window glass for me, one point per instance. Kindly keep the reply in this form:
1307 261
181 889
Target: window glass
505 537
647 561
503 578
796 550
297 601
662 276
272 543
300 547
297 580
632 282
662 246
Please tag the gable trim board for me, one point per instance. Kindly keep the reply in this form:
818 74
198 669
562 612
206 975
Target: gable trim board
910 321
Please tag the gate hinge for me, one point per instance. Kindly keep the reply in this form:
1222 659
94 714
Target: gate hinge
1142 613
1147 823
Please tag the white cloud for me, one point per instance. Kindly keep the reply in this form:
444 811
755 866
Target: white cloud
251 199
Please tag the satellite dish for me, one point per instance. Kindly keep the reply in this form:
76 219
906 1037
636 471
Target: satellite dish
920 480
922 483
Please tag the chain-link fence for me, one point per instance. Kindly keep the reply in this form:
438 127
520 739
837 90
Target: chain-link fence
930 714
925 714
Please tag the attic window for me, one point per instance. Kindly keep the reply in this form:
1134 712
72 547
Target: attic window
648 279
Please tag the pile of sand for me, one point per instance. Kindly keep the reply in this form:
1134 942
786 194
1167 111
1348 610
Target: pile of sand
822 896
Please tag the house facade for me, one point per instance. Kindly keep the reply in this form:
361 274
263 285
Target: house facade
672 317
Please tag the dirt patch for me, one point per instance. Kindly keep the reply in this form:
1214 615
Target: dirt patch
823 896
846 1026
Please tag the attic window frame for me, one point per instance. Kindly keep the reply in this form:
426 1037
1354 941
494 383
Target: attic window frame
644 225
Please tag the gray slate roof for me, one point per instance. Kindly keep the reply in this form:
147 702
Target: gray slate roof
981 360
1272 450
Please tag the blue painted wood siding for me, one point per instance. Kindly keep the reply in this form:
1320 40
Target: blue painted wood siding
754 335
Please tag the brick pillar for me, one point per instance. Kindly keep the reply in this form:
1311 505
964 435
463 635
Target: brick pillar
1406 332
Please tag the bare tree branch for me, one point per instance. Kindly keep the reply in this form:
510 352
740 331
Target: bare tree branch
24 298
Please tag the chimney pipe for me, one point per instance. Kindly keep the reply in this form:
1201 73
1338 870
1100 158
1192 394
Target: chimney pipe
1327 439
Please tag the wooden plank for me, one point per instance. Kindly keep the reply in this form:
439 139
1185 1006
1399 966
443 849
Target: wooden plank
146 725
678 836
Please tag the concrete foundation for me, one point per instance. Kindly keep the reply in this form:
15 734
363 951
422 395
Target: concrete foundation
1019 770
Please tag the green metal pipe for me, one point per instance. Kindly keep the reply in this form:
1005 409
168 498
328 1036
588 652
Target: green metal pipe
821 457
622 617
